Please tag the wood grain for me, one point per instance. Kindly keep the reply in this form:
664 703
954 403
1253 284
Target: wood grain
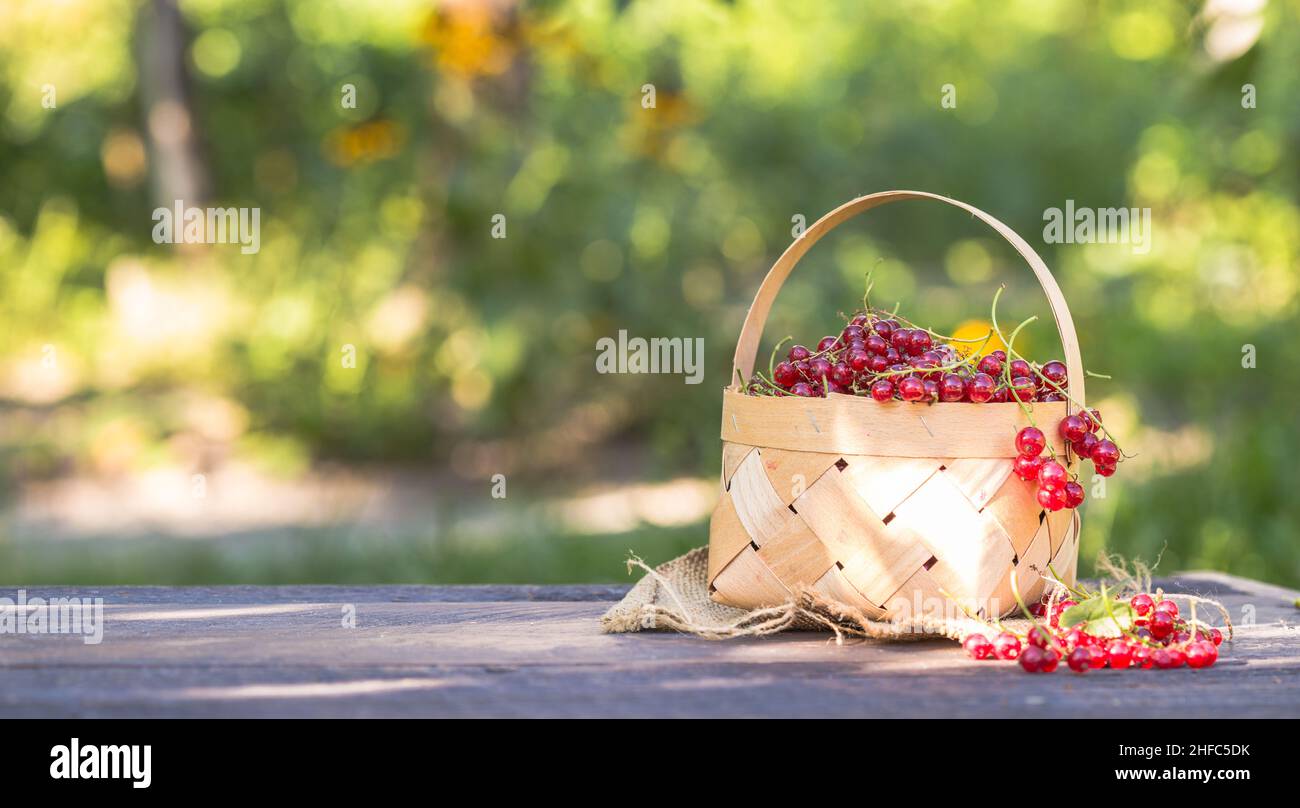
533 651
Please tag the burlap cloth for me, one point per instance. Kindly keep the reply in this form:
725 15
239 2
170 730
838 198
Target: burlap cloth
675 597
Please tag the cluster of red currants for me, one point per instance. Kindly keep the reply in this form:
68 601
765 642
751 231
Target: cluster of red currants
884 356
1157 638
1057 488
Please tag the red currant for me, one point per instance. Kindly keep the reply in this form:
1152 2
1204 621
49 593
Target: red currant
1216 636
799 353
1039 637
918 341
882 390
1073 428
1022 388
982 387
952 387
1054 372
1142 603
1083 446
841 374
1105 453
1094 420
1052 475
1030 441
1168 607
1050 658
1079 660
1073 493
1119 654
1047 497
1032 658
978 646
1104 470
911 389
1026 468
803 389
990 366
826 344
785 374
1006 646
1198 656
1142 657
1162 625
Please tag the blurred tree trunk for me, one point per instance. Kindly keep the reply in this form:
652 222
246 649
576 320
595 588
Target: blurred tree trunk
178 169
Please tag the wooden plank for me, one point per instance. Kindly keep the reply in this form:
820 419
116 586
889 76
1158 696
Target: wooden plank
423 651
859 425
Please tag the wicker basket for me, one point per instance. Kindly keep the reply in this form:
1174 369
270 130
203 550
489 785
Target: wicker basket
885 506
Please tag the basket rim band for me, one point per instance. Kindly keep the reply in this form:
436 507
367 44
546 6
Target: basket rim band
852 425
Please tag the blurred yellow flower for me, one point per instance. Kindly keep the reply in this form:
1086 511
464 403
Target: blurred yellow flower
976 331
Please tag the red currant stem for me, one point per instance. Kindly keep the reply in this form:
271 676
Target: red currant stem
1096 375
1079 593
867 294
740 380
771 361
910 371
1078 404
966 610
1015 592
1006 367
1110 612
1195 599
943 337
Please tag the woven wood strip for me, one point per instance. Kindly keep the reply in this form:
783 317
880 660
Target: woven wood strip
748 579
834 584
732 455
918 596
792 473
1059 525
1017 511
874 558
727 536
796 554
759 508
972 549
979 478
884 482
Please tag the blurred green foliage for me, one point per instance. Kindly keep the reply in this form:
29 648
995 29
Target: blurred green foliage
476 355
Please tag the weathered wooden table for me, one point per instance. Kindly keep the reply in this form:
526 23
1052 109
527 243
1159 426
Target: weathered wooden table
538 651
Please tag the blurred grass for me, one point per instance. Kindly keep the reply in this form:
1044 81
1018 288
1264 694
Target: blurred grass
317 556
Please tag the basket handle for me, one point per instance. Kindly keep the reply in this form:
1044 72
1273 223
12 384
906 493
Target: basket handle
752 331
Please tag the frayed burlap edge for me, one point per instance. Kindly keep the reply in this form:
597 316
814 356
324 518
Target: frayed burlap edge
675 597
